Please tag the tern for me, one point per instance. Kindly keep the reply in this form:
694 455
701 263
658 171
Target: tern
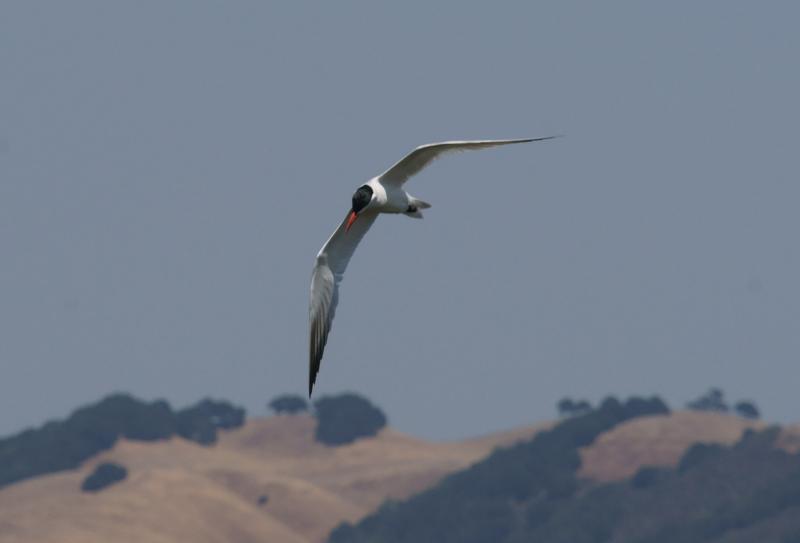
381 194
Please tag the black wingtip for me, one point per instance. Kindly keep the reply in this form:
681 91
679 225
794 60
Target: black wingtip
545 138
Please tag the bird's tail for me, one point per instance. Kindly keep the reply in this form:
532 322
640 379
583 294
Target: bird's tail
419 203
414 208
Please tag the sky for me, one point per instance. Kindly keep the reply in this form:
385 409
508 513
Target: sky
168 171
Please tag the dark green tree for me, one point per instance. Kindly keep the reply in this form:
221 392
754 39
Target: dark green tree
567 407
289 404
747 410
200 422
66 444
713 400
343 419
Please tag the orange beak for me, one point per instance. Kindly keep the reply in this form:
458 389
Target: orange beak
351 218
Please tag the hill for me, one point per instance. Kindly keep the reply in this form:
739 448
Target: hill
64 444
611 475
177 490
269 480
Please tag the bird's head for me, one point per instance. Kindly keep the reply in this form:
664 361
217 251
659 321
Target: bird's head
362 198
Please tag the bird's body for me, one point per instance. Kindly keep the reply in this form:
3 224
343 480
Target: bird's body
381 194
389 198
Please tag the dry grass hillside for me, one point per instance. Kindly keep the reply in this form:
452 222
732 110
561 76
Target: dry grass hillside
178 491
657 441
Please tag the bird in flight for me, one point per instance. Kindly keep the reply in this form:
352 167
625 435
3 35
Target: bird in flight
381 194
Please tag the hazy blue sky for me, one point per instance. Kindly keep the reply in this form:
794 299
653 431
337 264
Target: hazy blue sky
168 171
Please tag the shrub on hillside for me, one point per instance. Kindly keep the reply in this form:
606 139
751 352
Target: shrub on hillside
343 419
103 476
288 404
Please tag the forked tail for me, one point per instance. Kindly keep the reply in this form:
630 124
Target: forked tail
414 207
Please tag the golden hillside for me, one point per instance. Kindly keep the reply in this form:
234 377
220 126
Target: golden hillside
178 491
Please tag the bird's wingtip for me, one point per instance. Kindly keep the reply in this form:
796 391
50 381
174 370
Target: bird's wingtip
545 138
311 381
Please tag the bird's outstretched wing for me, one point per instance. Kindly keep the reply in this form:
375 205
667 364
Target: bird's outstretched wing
423 155
328 271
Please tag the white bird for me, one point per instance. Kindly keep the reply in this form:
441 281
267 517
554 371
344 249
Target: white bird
381 194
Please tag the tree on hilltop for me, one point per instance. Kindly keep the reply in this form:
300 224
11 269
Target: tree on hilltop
713 400
747 410
567 407
343 419
289 404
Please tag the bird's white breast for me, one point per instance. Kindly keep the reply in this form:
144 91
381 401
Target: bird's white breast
388 198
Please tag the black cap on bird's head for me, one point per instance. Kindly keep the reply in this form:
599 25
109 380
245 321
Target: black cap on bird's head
361 199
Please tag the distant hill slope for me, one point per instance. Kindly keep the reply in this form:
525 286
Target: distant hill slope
611 475
489 501
178 491
65 444
658 441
